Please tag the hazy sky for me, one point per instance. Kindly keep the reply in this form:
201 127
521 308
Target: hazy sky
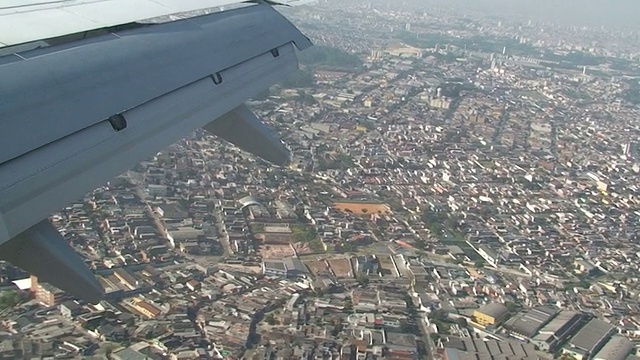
576 12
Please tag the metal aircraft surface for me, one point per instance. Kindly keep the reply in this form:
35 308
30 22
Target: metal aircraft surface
89 88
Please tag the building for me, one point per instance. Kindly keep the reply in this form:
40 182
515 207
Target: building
157 190
527 323
491 314
146 309
469 348
615 349
488 254
70 309
126 278
551 336
129 354
46 294
289 268
589 339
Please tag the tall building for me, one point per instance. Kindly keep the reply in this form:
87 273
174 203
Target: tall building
45 294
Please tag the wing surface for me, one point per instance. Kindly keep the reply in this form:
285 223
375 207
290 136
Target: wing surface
23 21
74 115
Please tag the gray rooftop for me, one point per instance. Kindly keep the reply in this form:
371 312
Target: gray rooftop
528 322
467 348
593 334
559 321
129 354
615 349
495 310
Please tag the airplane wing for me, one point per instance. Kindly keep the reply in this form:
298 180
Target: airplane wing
89 88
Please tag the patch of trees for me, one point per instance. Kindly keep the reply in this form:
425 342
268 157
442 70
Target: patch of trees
305 234
305 98
9 299
440 319
438 221
330 58
300 78
575 58
633 94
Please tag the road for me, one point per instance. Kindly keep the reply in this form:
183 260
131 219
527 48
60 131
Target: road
426 336
222 232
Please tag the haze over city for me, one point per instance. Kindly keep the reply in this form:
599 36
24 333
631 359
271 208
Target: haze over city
463 184
614 13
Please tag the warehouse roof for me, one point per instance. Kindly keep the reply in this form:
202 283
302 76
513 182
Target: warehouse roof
594 333
616 349
495 310
528 322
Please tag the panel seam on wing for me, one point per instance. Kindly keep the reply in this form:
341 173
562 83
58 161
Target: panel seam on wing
52 164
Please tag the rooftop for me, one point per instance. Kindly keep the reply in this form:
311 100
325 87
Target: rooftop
495 310
591 335
528 322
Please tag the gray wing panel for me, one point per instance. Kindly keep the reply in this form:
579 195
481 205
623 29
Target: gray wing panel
36 184
49 96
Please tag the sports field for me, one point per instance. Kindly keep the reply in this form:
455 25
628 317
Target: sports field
362 208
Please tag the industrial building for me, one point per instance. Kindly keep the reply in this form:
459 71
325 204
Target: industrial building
589 339
288 267
491 314
551 336
468 348
615 349
527 323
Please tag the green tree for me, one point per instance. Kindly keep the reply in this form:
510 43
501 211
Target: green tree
270 319
299 79
511 306
9 299
434 337
328 57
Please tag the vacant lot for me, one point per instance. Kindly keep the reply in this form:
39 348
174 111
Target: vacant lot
316 266
276 251
341 267
363 207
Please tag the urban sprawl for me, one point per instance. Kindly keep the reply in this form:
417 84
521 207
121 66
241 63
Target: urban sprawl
463 186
